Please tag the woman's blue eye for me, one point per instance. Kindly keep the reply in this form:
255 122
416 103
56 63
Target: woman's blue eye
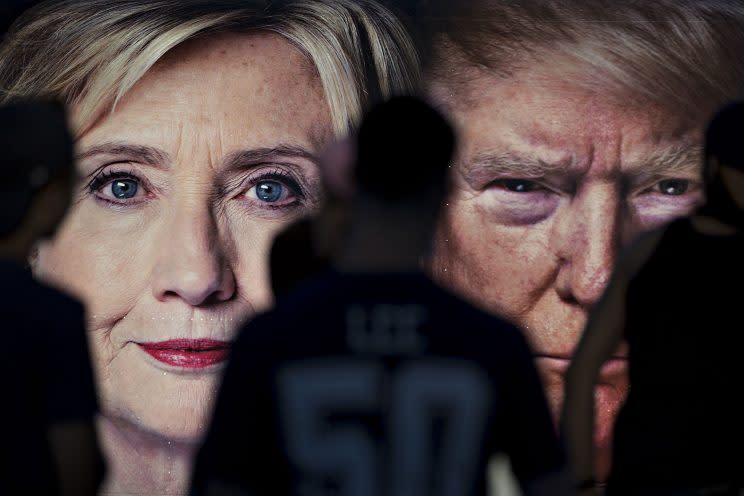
270 191
674 187
123 189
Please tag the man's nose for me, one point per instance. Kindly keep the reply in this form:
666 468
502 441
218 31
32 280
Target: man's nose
191 263
589 235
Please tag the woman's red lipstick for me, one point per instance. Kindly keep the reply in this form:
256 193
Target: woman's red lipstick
188 353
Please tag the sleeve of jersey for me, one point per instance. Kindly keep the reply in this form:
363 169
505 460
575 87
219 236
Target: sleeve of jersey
239 449
70 390
531 441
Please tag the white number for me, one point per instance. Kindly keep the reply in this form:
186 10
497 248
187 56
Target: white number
309 395
453 393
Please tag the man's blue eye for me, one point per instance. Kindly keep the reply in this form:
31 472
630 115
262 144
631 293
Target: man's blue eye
269 191
124 188
674 187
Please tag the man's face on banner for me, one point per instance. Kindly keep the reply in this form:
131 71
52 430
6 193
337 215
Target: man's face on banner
549 183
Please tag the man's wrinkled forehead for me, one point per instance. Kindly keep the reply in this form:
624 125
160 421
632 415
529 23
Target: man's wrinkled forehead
464 86
456 77
548 84
537 123
682 158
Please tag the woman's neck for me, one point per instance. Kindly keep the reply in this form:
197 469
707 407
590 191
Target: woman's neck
142 463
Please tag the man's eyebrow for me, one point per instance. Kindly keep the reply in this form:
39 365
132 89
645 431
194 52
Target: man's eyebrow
674 158
486 165
678 157
141 153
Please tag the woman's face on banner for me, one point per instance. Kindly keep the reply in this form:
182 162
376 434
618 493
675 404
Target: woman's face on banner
550 182
182 188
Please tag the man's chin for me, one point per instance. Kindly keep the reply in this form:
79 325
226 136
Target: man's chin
609 396
608 399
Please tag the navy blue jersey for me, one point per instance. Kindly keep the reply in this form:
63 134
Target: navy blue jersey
376 385
46 378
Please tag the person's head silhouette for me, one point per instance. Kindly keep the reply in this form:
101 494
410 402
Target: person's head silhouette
404 151
404 148
724 166
36 174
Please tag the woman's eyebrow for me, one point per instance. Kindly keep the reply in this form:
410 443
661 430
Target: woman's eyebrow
228 176
243 158
141 153
236 160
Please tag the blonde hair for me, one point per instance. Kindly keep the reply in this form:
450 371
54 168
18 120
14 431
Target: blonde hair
681 54
89 53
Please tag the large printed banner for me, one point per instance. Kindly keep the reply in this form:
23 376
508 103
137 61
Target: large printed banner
199 131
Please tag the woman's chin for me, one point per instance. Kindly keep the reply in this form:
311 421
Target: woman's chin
171 406
167 425
175 425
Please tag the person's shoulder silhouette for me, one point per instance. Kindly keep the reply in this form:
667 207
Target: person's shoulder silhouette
370 379
683 329
672 298
46 372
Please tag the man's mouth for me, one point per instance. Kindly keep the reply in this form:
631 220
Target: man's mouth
558 364
188 353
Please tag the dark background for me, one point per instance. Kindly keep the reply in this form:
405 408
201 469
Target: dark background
10 9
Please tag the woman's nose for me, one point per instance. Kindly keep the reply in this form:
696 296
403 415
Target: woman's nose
191 263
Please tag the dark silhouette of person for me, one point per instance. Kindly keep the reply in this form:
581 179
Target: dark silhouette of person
293 258
675 298
48 445
370 379
304 249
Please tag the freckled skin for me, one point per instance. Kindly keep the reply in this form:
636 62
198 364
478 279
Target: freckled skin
546 272
185 262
